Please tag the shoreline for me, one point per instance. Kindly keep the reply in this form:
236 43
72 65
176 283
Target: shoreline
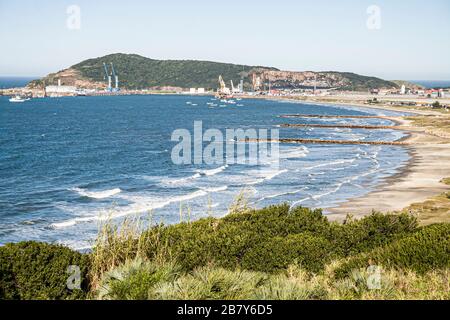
419 180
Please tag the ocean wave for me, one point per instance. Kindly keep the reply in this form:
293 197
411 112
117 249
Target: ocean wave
336 189
140 204
282 194
177 181
326 164
212 172
351 180
218 189
299 152
263 175
296 203
198 174
97 194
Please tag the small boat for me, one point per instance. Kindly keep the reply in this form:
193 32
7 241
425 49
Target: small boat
18 99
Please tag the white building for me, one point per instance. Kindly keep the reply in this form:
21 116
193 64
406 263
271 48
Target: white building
60 90
403 90
197 90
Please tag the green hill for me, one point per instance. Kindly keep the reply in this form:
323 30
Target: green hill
357 82
138 72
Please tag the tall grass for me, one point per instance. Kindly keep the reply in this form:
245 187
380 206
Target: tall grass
116 245
240 203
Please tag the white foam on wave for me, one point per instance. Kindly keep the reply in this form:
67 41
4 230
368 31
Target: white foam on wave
97 194
198 174
182 180
264 175
140 204
299 152
218 189
212 172
326 164
293 204
336 189
351 180
282 194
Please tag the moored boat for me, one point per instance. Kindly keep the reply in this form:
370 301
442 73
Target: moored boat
17 99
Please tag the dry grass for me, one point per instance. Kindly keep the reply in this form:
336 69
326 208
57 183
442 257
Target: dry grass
434 210
240 203
435 125
161 281
118 244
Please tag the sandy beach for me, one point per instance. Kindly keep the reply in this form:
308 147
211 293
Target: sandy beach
419 180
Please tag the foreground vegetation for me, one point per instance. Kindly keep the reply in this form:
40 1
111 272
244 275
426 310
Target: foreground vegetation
273 253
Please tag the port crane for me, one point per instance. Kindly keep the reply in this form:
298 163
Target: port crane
223 91
234 89
107 76
116 77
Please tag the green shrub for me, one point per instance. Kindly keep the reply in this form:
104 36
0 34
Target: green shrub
228 240
425 250
309 251
189 243
31 270
356 236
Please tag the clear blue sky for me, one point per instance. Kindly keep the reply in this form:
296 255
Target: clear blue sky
413 42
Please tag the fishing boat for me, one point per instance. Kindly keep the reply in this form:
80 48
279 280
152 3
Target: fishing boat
17 99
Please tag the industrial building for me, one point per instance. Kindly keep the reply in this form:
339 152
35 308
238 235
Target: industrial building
60 90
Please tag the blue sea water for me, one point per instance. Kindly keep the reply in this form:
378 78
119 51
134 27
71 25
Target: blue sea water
430 84
14 82
68 163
